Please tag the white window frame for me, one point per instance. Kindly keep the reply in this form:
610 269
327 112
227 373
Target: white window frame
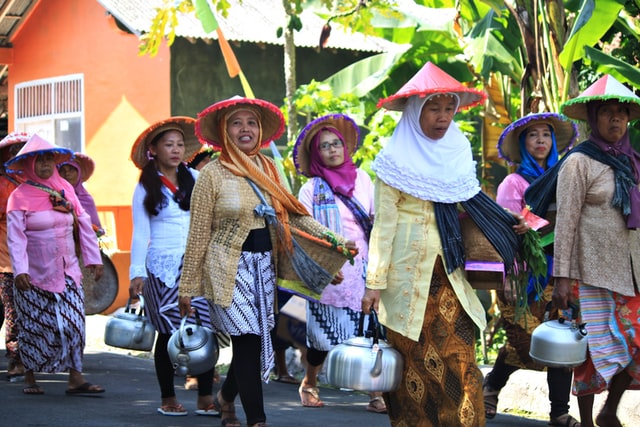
41 105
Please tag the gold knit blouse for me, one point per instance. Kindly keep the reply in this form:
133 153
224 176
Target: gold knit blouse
222 215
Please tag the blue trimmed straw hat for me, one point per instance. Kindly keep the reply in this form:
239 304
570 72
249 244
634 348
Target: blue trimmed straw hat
36 145
565 131
428 81
210 120
604 89
344 124
183 124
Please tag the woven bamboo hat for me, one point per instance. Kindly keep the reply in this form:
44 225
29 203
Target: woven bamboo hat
604 89
36 145
565 131
183 124
428 81
12 139
341 122
209 126
83 163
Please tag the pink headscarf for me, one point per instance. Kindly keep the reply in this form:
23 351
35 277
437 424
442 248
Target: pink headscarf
30 198
341 179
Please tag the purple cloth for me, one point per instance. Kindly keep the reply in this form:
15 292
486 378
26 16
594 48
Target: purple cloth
341 179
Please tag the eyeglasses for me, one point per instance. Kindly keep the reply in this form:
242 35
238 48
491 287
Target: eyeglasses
326 146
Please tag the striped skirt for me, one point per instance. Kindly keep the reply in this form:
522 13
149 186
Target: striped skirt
161 305
613 326
441 384
52 328
252 306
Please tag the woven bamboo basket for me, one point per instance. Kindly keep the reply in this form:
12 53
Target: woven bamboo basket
481 256
321 255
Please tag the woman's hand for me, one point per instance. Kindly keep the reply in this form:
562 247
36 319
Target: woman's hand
351 245
97 270
370 299
562 295
338 278
521 227
23 282
135 287
184 303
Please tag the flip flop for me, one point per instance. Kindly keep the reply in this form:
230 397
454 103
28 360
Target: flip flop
209 411
32 389
84 389
287 379
377 405
172 410
310 397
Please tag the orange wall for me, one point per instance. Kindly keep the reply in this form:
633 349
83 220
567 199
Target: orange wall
124 92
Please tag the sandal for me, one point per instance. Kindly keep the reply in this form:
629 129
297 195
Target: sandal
227 411
287 379
310 397
32 389
176 410
564 420
490 400
377 405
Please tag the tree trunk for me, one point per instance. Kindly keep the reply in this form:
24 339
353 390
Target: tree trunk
290 75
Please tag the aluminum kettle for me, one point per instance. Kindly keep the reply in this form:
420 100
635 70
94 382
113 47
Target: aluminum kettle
559 343
365 362
193 349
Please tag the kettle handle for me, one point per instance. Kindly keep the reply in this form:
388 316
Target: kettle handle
575 311
183 324
128 308
373 329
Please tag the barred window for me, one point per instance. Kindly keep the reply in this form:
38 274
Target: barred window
53 108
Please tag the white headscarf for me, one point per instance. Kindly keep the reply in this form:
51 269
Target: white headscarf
441 170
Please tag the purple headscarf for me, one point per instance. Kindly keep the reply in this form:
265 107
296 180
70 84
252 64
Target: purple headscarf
341 179
620 147
86 200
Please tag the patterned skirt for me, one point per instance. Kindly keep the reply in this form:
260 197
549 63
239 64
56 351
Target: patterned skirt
328 326
441 384
52 328
10 325
519 326
613 326
252 307
161 305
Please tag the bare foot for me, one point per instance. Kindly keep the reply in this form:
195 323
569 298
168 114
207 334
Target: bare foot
605 419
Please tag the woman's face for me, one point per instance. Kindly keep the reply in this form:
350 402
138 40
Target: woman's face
538 142
44 165
168 150
69 173
243 129
612 120
436 116
331 149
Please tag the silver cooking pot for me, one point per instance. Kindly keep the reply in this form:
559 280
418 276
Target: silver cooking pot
193 349
131 330
365 362
559 343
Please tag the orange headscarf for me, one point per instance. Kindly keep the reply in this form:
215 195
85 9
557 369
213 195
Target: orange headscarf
261 170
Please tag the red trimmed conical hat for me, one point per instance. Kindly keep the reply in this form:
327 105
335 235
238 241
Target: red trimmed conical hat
605 88
430 80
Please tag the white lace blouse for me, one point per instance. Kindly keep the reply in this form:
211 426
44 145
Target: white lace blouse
158 241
